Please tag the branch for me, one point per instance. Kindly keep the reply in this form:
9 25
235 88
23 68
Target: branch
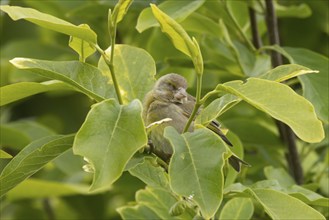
286 134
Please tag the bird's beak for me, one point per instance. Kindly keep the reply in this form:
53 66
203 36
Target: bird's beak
181 95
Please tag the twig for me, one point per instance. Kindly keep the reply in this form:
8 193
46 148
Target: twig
48 209
254 28
286 133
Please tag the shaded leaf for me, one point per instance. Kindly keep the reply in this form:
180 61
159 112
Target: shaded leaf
216 108
30 189
282 103
315 86
237 208
280 175
50 22
109 137
201 24
150 173
136 70
137 212
84 77
160 201
203 180
14 92
177 10
18 134
32 158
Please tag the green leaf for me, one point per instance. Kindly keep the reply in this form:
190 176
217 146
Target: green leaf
120 10
136 70
175 32
109 137
315 86
284 72
4 155
82 47
150 173
280 175
216 108
289 186
282 103
281 206
278 205
296 11
177 10
32 158
30 189
191 175
160 201
14 92
237 208
18 134
50 22
307 196
137 212
84 77
201 24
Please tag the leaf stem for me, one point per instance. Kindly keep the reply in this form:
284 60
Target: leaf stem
197 103
286 133
109 62
250 45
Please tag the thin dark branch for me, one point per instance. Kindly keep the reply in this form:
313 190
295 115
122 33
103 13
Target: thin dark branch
48 209
254 28
286 134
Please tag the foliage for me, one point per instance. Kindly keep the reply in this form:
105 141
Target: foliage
61 107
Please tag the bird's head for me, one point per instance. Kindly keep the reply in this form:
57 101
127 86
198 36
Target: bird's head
171 88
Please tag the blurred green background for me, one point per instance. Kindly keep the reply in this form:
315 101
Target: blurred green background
64 112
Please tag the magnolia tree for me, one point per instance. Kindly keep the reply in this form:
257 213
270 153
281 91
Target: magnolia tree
271 100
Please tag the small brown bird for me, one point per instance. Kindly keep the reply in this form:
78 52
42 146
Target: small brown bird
169 99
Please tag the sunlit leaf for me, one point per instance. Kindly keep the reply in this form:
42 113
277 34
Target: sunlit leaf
278 205
282 103
120 10
14 92
83 77
284 72
82 47
50 22
175 32
135 70
109 137
296 11
4 155
281 206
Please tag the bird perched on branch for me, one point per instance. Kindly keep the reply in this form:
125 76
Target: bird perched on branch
169 99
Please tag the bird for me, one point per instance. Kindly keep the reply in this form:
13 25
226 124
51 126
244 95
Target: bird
169 99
